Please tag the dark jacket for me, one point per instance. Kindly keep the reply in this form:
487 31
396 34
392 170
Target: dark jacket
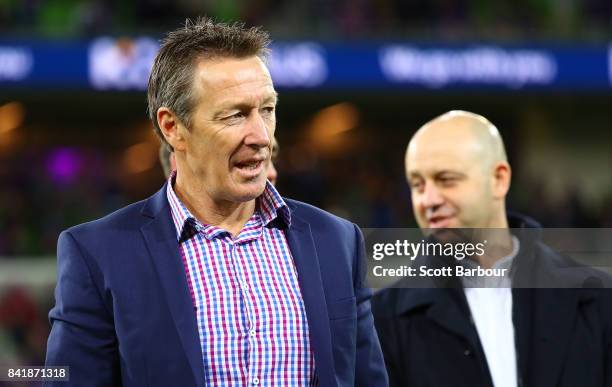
563 336
124 316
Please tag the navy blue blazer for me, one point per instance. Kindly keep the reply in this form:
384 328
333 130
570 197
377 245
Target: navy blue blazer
124 316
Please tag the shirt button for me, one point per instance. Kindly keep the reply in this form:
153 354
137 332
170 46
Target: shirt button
252 332
255 381
467 352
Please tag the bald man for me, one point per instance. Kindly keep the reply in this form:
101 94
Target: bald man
460 333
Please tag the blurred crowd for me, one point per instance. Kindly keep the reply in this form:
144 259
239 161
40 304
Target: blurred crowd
23 327
337 19
37 203
53 190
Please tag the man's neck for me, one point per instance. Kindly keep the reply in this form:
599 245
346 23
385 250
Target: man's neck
498 245
230 216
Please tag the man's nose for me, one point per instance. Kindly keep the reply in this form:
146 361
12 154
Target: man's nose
432 197
257 132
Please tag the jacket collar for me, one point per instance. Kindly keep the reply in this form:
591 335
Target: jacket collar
160 237
305 256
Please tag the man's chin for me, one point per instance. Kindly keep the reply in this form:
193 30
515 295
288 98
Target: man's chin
248 191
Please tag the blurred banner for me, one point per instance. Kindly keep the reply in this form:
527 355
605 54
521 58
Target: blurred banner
124 63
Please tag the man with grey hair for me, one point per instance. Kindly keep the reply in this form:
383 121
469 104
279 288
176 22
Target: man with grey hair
216 279
505 331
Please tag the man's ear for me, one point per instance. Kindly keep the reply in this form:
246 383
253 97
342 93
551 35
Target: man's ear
171 128
501 179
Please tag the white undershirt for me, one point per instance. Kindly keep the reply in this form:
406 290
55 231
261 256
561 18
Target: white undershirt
491 310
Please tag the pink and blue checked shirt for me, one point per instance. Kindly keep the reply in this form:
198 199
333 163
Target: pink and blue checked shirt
250 313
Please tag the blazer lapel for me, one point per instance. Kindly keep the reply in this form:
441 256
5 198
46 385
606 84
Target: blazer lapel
522 315
543 317
302 246
161 240
450 311
448 308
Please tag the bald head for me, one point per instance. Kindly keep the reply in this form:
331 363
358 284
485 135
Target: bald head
457 167
472 134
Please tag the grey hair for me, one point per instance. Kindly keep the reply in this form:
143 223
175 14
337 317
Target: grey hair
171 78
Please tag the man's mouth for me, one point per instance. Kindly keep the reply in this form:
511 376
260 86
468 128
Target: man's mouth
250 168
249 164
439 221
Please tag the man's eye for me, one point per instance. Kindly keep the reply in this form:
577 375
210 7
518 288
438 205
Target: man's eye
416 185
234 117
268 109
447 180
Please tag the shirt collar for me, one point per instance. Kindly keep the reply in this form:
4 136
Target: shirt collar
493 282
502 263
270 206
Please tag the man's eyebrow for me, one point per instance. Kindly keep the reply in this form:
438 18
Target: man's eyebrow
449 172
246 104
416 174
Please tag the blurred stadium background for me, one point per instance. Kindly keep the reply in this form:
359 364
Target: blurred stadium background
356 79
